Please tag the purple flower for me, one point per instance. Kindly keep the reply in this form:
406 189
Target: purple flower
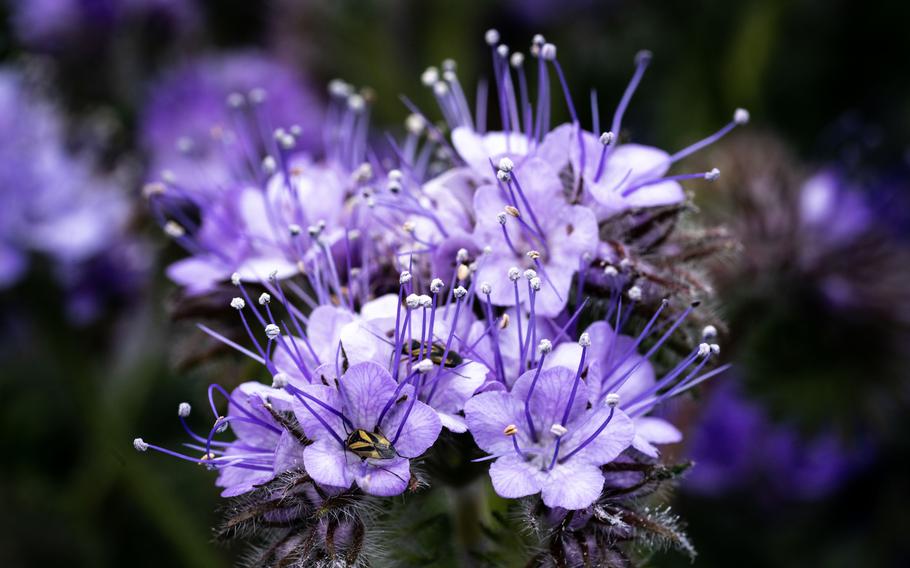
55 203
206 141
244 166
262 449
546 440
738 448
531 225
61 25
367 399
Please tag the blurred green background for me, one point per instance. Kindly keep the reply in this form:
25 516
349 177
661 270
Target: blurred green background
72 490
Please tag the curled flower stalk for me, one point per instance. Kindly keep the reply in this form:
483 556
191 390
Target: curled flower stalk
456 302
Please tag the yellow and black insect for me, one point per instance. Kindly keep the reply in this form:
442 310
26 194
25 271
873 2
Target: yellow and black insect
370 445
436 351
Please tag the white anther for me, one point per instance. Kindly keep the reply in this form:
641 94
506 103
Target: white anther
273 276
709 332
486 288
506 165
436 285
167 176
703 349
258 95
294 229
356 102
364 172
558 430
412 301
235 279
548 51
625 263
612 400
395 175
712 175
643 57
183 409
535 284
545 346
584 339
460 292
429 76
405 277
279 381
339 88
423 366
514 274
606 138
501 217
634 293
238 303
530 274
221 425
415 124
174 230
296 130
715 349
741 116
449 64
272 331
441 88
487 250
461 255
503 50
140 445
264 299
491 37
610 271
425 301
235 100
517 59
184 144
504 177
150 190
287 141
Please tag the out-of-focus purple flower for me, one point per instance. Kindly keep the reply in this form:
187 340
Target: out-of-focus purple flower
206 119
53 202
737 447
241 160
60 25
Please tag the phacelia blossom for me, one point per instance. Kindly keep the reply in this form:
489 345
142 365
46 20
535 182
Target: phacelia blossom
54 202
592 398
471 282
260 196
539 197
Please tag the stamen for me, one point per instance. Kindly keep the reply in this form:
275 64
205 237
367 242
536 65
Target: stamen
543 348
740 117
710 175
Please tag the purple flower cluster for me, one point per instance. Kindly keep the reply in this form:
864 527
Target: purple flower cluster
54 202
438 285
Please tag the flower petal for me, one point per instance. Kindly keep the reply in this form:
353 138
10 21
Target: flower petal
383 478
513 477
365 389
329 464
572 486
